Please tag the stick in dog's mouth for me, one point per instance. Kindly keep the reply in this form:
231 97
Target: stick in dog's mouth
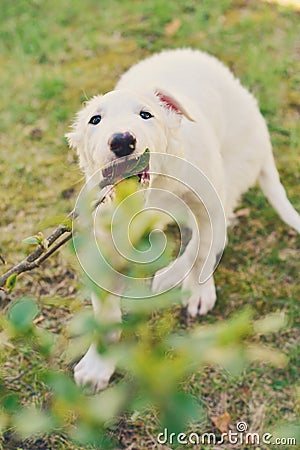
126 167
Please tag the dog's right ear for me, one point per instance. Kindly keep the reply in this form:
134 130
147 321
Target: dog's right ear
73 139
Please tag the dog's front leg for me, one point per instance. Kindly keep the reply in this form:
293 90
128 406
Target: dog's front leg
194 268
199 282
95 370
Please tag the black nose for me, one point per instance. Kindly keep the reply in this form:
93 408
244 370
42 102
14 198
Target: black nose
122 144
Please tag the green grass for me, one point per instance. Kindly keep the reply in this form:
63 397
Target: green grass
53 55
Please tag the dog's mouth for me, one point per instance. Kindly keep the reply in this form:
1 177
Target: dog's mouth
126 167
144 176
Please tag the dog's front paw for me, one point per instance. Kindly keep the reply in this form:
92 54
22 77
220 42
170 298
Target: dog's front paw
93 370
202 297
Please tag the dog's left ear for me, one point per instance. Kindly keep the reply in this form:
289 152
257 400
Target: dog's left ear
173 105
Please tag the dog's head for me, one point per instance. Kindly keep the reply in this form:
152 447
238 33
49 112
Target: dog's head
122 123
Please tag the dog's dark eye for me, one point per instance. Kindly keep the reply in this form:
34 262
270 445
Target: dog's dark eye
95 119
145 115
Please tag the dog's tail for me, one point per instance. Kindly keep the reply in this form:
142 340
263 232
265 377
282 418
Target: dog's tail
274 191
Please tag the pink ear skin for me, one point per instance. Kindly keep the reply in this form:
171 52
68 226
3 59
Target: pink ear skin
173 104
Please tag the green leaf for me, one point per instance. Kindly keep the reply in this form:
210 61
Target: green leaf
22 314
64 388
88 434
271 323
31 240
11 282
178 410
68 223
11 403
36 239
83 323
45 341
125 167
31 421
107 404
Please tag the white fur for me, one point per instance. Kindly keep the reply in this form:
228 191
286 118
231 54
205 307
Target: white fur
217 127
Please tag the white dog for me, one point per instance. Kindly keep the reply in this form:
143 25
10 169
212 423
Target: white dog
188 104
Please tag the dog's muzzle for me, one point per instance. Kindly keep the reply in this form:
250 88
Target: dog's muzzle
122 144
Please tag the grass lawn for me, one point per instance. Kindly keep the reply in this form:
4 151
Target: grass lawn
53 56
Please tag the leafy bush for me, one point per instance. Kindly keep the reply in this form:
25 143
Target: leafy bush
154 356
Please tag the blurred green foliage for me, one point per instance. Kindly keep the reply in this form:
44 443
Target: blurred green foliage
154 358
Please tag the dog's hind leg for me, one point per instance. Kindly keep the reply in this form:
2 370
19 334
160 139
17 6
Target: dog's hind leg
274 191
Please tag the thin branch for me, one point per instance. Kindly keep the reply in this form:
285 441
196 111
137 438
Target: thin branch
40 254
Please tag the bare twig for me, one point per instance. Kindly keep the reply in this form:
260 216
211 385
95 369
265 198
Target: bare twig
40 254
45 249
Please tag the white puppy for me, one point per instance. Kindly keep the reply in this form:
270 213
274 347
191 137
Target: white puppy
188 104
